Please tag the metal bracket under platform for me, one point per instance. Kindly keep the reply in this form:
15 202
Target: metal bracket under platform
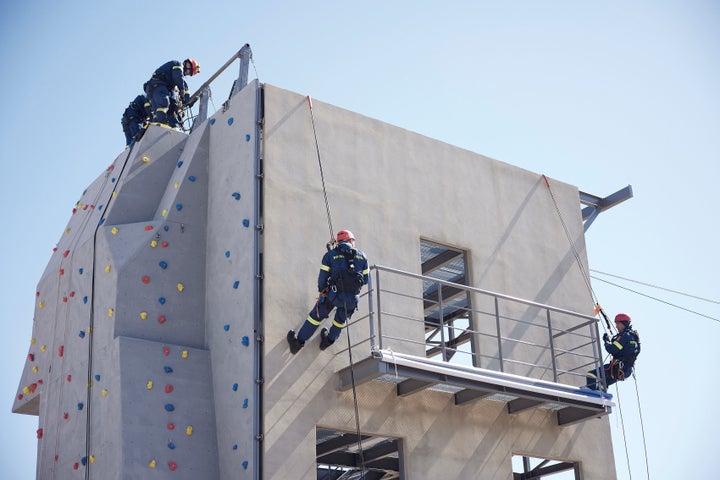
413 374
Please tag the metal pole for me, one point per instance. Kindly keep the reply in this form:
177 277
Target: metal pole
441 321
245 50
379 309
370 313
499 336
552 347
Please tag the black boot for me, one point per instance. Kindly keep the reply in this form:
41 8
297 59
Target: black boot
295 344
325 342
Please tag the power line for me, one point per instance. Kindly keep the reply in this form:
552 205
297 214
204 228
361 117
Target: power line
717 302
657 299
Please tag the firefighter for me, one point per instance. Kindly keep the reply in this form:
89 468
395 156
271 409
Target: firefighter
134 117
159 88
624 348
343 272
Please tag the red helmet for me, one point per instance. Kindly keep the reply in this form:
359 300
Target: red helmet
191 66
345 235
622 317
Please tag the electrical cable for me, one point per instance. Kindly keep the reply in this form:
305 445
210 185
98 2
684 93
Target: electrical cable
658 287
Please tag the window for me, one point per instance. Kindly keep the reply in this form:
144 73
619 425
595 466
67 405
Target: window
341 456
535 468
448 319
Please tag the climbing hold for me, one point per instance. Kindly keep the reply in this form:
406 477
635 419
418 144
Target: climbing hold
104 392
184 354
247 137
41 304
75 466
68 378
189 430
153 244
33 387
246 341
179 164
102 220
85 299
81 334
236 284
35 369
72 294
145 159
246 222
245 464
64 299
80 271
145 279
83 460
212 121
180 287
235 387
226 327
143 315
168 388
92 458
43 348
169 407
162 319
66 415
152 463
166 351
108 268
171 426
164 214
191 178
20 396
171 446
162 300
167 369
148 228
166 228
178 207
67 230
230 120
61 350
26 390
97 378
245 403
114 194
164 244
66 253
31 357
149 385
163 265
80 406
236 195
111 312
176 185
172 466
235 447
61 271
227 254
114 231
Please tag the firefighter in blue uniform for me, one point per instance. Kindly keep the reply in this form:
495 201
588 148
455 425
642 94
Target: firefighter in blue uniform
134 117
624 348
159 88
343 272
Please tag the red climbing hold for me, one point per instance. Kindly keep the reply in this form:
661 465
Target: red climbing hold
69 378
61 350
145 279
148 228
61 271
168 388
164 244
65 415
171 426
172 466
31 357
66 253
166 351
39 432
33 387
162 319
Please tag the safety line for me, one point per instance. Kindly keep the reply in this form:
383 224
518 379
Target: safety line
658 287
658 299
622 423
642 426
347 326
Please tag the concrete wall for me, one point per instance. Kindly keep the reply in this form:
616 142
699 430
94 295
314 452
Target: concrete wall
164 309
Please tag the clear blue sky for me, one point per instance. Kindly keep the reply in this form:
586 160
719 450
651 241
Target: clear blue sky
595 94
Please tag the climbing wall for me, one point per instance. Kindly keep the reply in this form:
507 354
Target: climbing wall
137 291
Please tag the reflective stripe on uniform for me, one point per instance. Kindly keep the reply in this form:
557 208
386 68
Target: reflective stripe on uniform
161 109
313 321
591 375
618 345
324 268
177 67
366 271
339 325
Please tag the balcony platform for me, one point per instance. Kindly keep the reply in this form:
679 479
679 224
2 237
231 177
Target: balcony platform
413 374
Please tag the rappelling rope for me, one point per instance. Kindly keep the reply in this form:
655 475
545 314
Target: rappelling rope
642 426
622 424
347 323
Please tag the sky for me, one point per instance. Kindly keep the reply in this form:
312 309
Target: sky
600 95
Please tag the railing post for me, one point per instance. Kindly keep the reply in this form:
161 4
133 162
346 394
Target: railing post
441 321
597 352
379 309
370 313
552 346
499 336
245 55
203 109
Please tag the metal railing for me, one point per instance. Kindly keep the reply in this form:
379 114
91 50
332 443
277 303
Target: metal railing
491 330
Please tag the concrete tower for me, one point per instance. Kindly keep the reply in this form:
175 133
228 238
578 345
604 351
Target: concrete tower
159 349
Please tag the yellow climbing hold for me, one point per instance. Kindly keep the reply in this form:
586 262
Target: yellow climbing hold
108 268
114 231
26 390
41 304
32 341
67 230
152 463
104 392
143 315
176 185
145 159
188 430
180 287
92 458
111 312
164 213
184 354
43 348
114 194
153 244
149 385
35 369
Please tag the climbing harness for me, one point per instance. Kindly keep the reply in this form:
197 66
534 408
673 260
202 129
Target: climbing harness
347 329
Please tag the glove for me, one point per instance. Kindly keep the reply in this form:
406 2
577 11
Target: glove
359 279
606 338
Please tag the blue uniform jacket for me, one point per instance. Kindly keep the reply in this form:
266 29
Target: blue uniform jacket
344 268
624 346
138 108
171 74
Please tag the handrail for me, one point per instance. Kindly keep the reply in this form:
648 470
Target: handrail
577 338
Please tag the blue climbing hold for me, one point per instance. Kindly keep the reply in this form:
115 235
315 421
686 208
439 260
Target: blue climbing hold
235 447
169 407
97 378
179 164
245 403
246 222
212 121
102 220
235 386
245 464
226 327
236 195
85 299
100 207
80 271
247 137
81 334
227 253
112 180
83 460
171 446
236 284
166 228
80 406
191 178
230 120
168 369
178 207
163 264
246 341
162 300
